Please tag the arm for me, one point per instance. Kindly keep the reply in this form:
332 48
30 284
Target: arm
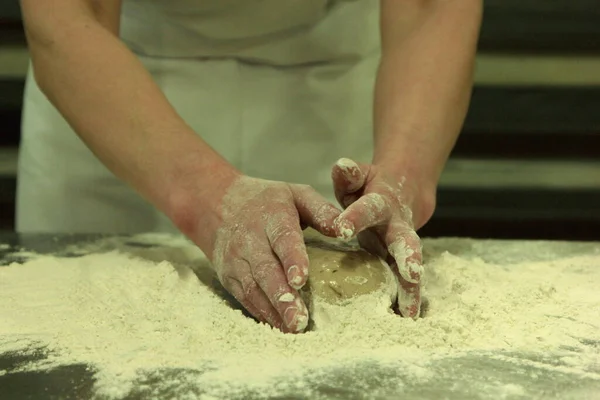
111 101
249 228
421 97
423 90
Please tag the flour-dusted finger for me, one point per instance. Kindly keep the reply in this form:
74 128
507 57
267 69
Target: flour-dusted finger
252 298
348 179
254 294
369 211
287 241
404 246
269 275
409 298
260 244
314 210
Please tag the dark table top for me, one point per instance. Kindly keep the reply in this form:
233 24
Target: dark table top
456 376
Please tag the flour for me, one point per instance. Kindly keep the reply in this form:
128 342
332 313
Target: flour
131 315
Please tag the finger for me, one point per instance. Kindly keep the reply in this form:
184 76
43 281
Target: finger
314 210
408 303
253 299
369 211
255 295
349 199
269 275
348 178
234 287
404 246
287 242
409 294
409 298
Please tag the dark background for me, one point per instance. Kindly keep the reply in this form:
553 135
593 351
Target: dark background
527 164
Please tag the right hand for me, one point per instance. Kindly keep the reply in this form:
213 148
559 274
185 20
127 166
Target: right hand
258 249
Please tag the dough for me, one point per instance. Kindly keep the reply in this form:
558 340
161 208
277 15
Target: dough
338 274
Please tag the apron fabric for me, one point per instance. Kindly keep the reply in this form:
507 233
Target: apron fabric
280 88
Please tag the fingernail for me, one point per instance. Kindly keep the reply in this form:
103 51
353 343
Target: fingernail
346 163
286 298
296 280
289 316
345 229
294 319
302 322
351 171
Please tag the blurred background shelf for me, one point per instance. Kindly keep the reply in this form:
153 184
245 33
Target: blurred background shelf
541 26
510 26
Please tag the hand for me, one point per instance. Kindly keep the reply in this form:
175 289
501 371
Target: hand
259 253
378 210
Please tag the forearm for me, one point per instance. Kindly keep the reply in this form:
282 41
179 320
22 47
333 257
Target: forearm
423 87
112 103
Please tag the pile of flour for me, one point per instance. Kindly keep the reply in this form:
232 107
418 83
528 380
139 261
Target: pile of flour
129 313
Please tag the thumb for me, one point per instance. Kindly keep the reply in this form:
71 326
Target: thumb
348 180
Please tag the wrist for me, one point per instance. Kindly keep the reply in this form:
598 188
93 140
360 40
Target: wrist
419 190
194 201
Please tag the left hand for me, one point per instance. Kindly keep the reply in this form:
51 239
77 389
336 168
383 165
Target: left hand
379 210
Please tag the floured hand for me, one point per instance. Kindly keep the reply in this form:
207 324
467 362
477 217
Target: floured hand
377 211
259 253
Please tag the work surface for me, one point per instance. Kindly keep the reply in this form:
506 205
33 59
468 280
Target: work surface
570 371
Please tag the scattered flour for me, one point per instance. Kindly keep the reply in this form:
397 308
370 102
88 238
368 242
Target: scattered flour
128 313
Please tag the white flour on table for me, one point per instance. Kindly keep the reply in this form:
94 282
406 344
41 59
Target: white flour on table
128 315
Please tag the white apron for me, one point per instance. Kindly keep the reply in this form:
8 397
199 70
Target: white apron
280 88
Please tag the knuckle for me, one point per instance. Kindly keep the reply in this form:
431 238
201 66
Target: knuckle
401 230
250 287
284 240
262 271
324 215
302 188
230 284
235 288
406 214
279 233
325 209
309 195
376 202
400 249
299 191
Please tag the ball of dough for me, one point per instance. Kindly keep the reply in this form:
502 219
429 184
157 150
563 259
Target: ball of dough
339 273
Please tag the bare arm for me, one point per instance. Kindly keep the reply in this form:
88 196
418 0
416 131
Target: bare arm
421 97
249 228
423 90
113 104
